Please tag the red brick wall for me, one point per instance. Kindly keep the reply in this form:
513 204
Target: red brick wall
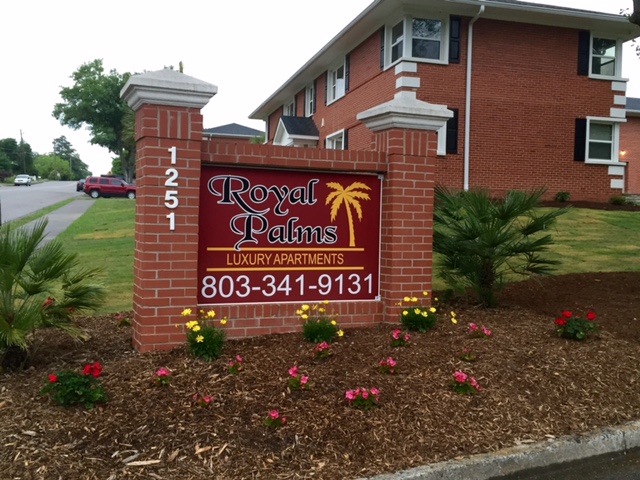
630 144
525 99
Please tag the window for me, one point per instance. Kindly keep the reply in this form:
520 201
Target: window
336 141
604 54
417 39
310 100
289 108
598 139
335 84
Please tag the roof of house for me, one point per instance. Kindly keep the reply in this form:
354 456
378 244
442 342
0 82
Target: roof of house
232 130
303 126
380 11
633 107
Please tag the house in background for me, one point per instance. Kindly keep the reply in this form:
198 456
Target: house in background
536 91
630 146
233 132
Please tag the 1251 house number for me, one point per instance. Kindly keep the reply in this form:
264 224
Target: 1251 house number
171 200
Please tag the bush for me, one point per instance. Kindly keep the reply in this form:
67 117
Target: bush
618 200
70 388
563 196
317 325
481 241
204 339
417 318
574 327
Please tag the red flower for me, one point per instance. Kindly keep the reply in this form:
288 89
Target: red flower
48 302
567 314
87 370
95 370
561 322
591 316
53 379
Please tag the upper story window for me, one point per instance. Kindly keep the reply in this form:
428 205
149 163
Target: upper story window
604 57
335 83
414 38
310 100
289 108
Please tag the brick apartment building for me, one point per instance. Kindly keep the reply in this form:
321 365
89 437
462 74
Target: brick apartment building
536 91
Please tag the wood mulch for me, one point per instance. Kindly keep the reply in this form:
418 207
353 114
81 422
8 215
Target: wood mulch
535 386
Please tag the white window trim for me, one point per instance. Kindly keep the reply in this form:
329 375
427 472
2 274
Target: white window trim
442 141
309 96
332 137
408 44
291 103
615 152
338 95
618 73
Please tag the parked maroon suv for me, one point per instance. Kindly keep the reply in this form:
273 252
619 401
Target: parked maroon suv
108 187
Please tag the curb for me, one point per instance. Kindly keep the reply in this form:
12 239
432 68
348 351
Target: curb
525 457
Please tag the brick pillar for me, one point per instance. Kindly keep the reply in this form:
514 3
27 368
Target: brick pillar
167 105
406 129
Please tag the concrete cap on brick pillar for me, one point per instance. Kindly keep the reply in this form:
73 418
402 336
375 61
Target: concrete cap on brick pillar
405 111
167 87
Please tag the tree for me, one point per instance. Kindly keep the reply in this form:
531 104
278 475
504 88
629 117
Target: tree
482 241
63 149
41 286
52 167
19 155
94 102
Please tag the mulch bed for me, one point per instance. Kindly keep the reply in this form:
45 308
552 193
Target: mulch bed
536 386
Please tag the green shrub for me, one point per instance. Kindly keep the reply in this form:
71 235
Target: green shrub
563 196
204 339
481 240
68 388
317 325
618 200
417 318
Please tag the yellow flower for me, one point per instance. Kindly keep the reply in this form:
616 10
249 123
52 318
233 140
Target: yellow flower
298 312
436 299
201 311
199 339
321 310
211 314
406 299
223 321
314 307
426 294
305 308
196 328
432 310
405 313
453 314
326 302
417 311
191 324
424 314
454 320
414 299
333 322
304 316
340 333
186 312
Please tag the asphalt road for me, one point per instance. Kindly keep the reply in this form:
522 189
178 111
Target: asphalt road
16 202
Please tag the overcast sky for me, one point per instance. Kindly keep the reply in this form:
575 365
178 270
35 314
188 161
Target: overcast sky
248 48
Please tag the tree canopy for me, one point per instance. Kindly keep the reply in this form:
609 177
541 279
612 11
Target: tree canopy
94 102
63 149
16 157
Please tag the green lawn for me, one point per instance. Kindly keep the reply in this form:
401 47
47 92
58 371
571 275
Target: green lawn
586 241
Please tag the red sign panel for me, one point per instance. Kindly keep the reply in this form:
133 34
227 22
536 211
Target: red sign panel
285 236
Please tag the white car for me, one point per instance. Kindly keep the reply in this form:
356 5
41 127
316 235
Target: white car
22 180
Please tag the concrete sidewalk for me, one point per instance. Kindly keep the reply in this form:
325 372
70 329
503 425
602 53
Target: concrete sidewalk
60 219
522 458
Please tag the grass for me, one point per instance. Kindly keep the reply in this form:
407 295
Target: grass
104 237
586 241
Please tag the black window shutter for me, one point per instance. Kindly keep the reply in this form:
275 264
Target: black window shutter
454 39
345 140
452 133
580 148
347 61
326 87
584 44
315 96
382 48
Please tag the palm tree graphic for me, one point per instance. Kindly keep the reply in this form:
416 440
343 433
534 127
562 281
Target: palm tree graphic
349 197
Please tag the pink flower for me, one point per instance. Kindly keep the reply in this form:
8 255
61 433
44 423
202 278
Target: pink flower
274 414
391 362
486 331
407 337
293 371
472 327
460 377
375 392
239 358
350 395
396 334
365 394
231 364
304 380
163 372
474 384
284 420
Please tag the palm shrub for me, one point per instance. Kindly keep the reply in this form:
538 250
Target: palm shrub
482 240
41 286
